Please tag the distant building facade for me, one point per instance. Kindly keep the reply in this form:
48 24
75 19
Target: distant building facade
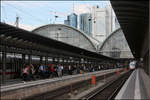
71 20
117 25
98 23
103 22
86 23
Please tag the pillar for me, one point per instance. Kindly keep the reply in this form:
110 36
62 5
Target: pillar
30 59
53 60
41 59
23 58
62 60
46 60
4 65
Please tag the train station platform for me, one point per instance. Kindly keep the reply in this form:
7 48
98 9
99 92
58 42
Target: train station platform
24 90
136 87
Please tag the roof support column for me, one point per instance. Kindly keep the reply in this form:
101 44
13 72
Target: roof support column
53 60
41 59
46 60
23 60
30 59
4 55
62 60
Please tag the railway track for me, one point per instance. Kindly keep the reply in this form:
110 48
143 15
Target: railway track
109 90
58 93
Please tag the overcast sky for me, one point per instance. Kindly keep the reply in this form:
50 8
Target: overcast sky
33 14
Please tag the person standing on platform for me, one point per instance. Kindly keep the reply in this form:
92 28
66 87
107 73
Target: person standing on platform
52 70
132 65
78 69
59 70
55 70
70 70
62 69
32 71
26 73
42 70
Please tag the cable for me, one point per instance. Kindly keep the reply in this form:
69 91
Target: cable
27 13
5 15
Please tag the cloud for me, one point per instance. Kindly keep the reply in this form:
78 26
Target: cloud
23 26
82 8
87 7
26 3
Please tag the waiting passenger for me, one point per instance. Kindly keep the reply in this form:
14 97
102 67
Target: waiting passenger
26 72
99 67
84 68
51 70
55 70
78 69
32 72
75 70
69 70
62 69
47 72
42 70
59 70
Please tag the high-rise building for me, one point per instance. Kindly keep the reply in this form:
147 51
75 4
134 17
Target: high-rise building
86 23
103 22
71 20
98 23
66 22
110 20
117 25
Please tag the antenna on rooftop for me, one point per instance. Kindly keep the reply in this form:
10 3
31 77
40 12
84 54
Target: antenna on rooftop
55 17
73 7
17 21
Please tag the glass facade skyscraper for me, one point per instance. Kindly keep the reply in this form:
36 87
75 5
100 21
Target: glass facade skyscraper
71 20
86 23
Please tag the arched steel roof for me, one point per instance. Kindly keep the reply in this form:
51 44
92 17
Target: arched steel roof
90 39
18 34
115 45
134 21
109 37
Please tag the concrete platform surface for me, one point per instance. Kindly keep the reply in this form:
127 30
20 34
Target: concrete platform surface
136 87
21 90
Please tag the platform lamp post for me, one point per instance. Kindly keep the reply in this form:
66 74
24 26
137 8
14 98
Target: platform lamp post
59 29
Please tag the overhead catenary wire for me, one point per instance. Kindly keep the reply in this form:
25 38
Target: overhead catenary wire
5 15
27 13
34 17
